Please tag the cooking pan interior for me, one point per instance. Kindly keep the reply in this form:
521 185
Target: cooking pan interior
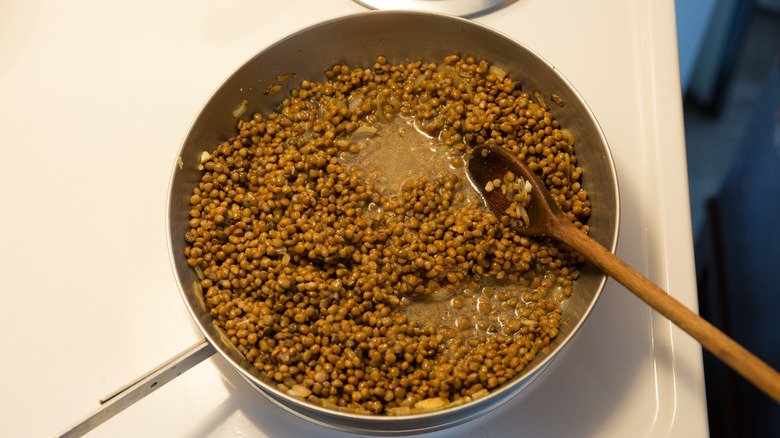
357 40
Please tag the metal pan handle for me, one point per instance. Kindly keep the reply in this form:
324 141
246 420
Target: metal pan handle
120 399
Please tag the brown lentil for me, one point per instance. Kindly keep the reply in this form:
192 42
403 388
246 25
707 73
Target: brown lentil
361 293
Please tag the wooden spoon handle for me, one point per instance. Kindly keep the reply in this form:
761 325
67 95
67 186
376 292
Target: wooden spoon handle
726 349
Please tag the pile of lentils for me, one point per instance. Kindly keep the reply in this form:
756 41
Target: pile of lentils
307 267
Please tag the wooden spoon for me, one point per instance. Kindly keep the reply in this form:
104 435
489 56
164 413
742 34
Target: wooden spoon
488 163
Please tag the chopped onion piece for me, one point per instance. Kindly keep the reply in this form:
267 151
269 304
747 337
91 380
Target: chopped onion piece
524 216
557 99
239 110
362 133
418 80
199 294
355 102
431 403
441 294
481 393
395 101
299 391
445 68
567 135
455 78
285 77
399 410
539 98
498 71
273 89
469 92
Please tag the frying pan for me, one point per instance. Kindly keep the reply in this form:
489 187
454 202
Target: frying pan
357 40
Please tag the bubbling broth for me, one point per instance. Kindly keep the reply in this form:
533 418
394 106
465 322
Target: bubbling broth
340 248
479 310
399 151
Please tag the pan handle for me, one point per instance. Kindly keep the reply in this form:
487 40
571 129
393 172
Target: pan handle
120 399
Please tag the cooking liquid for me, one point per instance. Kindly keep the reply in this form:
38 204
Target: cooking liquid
398 152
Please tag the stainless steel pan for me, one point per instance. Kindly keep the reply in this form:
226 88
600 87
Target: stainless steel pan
357 40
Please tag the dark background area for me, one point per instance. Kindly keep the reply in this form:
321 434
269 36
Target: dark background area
732 132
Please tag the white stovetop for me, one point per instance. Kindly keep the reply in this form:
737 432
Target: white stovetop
94 94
